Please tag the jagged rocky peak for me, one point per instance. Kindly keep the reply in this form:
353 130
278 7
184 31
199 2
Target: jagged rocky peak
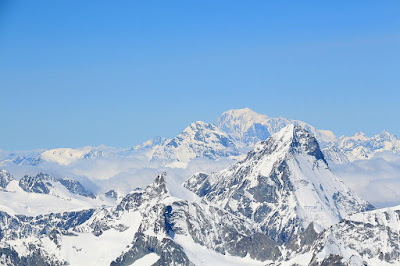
204 132
368 238
290 140
41 183
360 146
283 185
5 178
197 140
76 188
112 194
154 192
20 160
304 141
159 185
45 184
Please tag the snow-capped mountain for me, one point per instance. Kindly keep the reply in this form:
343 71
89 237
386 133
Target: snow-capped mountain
197 140
247 125
359 146
251 127
45 184
283 185
204 147
42 194
280 205
60 156
369 238
233 133
65 156
151 143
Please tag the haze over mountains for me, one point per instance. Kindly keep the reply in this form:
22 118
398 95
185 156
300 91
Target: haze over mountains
280 204
213 146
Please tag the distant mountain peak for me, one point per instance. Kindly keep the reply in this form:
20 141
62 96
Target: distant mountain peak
197 140
241 123
243 113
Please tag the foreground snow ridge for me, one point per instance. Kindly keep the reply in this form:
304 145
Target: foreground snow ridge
280 205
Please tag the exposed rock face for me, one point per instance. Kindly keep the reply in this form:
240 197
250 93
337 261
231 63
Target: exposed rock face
31 230
5 178
367 238
165 224
35 256
281 205
45 184
170 253
41 183
20 226
112 194
76 188
197 140
26 160
170 218
282 185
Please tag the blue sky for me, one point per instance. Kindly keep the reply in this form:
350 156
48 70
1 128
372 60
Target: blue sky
75 73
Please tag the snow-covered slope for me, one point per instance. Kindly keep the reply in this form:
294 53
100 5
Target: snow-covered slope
45 184
283 185
369 238
42 194
245 125
65 156
60 156
151 143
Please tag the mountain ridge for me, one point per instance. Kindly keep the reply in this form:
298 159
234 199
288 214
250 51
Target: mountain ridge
286 173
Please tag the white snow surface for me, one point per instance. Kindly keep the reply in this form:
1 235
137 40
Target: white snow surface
14 200
318 195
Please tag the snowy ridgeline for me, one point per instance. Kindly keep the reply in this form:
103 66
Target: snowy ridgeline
369 165
235 132
280 205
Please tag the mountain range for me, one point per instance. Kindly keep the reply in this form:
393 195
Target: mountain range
280 204
234 133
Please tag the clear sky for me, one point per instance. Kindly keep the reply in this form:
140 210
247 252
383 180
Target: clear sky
75 73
